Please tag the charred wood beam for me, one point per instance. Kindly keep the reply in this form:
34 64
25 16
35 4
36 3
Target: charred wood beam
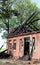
18 32
35 27
26 29
32 26
22 25
32 18
23 30
34 21
28 21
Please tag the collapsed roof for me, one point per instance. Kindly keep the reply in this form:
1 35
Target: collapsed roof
25 27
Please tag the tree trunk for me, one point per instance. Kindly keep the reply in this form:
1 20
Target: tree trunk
8 26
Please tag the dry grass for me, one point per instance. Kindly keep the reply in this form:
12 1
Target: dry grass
16 62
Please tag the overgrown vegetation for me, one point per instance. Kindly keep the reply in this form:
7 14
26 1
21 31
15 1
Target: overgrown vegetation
15 12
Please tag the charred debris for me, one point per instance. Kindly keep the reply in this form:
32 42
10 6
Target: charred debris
4 54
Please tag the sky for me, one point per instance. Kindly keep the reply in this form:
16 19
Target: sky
37 2
4 41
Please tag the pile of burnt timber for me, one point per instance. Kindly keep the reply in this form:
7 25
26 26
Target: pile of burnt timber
3 54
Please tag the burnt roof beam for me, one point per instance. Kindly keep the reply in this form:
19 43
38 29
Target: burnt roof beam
31 19
31 23
33 26
28 20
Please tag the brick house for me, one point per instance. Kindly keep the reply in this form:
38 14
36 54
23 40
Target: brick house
21 44
23 41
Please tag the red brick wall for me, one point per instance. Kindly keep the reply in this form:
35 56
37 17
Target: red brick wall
16 53
36 54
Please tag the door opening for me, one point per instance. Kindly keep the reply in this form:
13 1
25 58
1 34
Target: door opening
26 45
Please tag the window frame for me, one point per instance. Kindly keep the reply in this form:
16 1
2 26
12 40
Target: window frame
14 46
10 44
33 39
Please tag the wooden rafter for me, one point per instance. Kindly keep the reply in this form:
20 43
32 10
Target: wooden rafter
27 26
30 20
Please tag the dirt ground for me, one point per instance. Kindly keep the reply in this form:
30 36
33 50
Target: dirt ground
16 62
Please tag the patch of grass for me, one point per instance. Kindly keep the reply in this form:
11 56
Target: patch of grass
2 49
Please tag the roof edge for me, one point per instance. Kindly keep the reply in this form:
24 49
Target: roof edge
28 33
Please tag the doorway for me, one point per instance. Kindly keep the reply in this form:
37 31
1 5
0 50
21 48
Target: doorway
26 45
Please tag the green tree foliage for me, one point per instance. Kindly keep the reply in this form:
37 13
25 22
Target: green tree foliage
26 8
22 8
6 14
